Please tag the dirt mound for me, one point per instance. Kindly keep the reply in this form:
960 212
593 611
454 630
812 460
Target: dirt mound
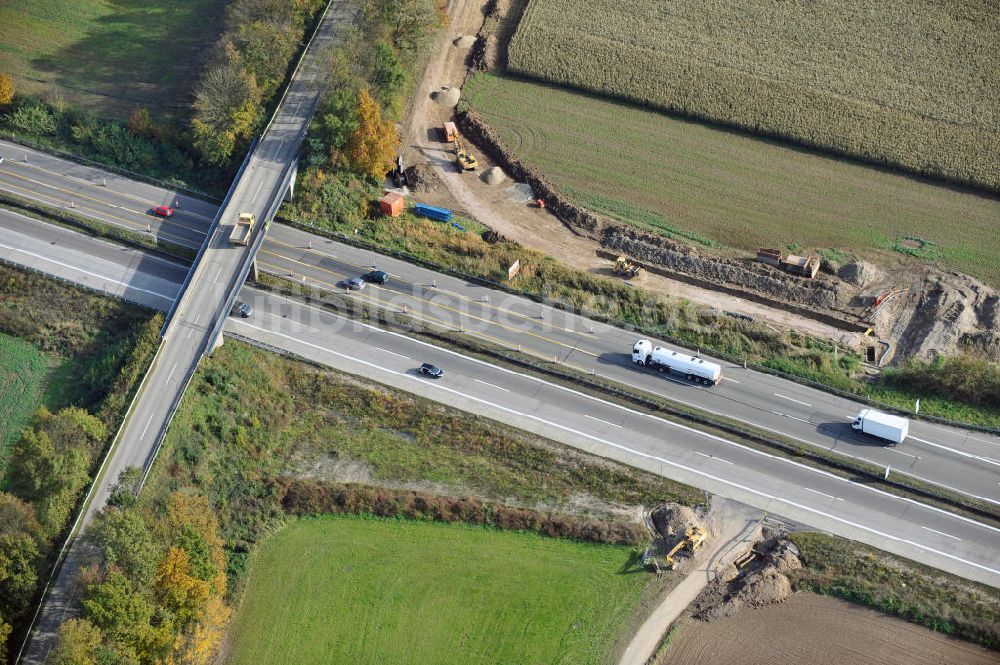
447 96
756 278
767 587
861 274
423 178
465 41
493 176
672 519
947 311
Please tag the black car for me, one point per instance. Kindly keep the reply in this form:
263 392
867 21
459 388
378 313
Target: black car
242 309
376 277
432 371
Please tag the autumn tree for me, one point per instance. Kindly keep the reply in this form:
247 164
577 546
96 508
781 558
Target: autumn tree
21 549
6 89
77 644
372 146
178 590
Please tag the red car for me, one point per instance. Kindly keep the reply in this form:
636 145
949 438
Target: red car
163 211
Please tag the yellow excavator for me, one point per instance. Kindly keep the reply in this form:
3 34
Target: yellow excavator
465 160
693 539
627 268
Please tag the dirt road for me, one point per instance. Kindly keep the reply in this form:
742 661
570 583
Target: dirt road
729 523
505 211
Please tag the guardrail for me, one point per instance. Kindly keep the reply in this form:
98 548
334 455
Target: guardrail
234 287
208 238
111 168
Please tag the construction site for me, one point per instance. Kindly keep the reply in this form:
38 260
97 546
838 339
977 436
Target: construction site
736 571
454 160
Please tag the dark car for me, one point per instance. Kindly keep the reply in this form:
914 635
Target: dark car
432 371
376 277
242 309
352 284
163 211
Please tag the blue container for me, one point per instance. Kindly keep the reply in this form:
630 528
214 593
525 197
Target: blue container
440 214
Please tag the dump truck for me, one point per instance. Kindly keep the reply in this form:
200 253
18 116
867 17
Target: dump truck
626 268
674 362
882 425
242 229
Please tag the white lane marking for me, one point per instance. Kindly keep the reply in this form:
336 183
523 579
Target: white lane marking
956 451
942 533
742 448
656 458
257 193
726 378
171 374
801 420
85 272
602 421
143 435
850 417
829 496
792 399
393 353
492 385
900 452
718 459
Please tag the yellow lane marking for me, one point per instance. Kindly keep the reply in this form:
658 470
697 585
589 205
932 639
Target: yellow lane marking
430 302
78 195
437 290
45 198
127 195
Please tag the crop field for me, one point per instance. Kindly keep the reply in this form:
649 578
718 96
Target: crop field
704 184
23 370
109 56
912 84
354 590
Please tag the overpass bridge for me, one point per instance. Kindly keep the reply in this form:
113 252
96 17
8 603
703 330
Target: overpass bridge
194 324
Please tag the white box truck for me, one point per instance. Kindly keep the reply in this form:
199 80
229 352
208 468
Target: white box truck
882 425
675 362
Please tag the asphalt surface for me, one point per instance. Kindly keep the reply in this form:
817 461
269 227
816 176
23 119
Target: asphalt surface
215 276
770 483
953 458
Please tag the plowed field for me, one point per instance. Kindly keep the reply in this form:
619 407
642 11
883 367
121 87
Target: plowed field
817 630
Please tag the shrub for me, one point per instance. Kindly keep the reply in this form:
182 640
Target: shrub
6 89
34 118
311 497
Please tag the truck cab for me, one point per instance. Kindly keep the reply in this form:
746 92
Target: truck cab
641 351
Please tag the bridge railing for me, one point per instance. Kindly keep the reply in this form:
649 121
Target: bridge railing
208 238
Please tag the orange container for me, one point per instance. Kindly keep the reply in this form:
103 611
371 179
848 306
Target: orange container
450 131
392 204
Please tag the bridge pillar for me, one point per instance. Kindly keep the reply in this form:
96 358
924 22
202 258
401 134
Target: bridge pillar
291 181
253 270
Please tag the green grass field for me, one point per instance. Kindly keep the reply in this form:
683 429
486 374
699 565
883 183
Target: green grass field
354 590
106 55
687 179
23 371
911 83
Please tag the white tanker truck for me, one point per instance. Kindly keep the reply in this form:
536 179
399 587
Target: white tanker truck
675 362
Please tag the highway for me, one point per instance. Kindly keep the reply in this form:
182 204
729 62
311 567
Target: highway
716 464
203 300
956 459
